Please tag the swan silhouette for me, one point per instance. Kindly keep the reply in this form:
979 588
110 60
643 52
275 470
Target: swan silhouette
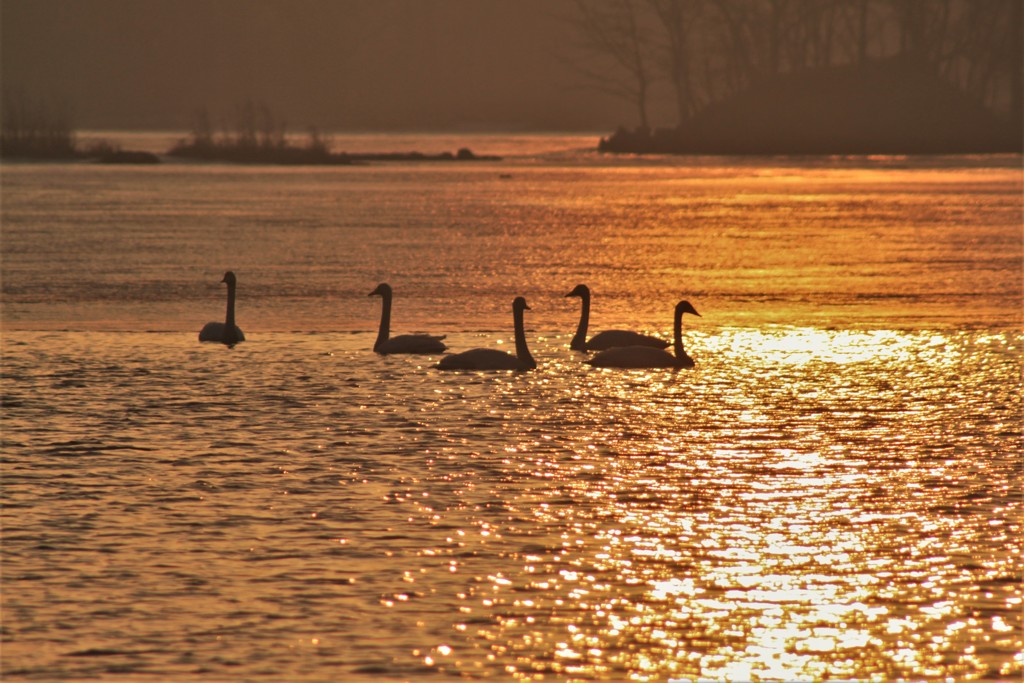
491 359
404 343
226 332
647 356
609 338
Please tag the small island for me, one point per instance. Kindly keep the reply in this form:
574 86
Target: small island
34 132
37 132
259 137
313 154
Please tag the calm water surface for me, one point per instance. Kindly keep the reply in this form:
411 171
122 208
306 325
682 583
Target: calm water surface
834 492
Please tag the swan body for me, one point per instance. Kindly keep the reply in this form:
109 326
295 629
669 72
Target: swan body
646 356
609 338
217 332
226 332
411 343
492 359
481 359
403 343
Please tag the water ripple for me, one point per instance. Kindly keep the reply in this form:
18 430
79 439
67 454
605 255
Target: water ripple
804 504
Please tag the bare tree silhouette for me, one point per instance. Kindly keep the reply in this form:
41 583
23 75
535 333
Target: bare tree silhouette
36 127
708 50
616 41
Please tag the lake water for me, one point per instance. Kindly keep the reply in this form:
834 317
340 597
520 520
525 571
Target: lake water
834 492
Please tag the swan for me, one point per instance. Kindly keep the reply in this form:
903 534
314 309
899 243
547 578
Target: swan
647 356
491 359
609 338
404 343
226 332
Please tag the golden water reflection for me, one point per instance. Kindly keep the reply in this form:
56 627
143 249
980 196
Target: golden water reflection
818 518
803 505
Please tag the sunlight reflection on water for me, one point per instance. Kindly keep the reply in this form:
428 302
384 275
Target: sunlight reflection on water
825 243
833 492
804 504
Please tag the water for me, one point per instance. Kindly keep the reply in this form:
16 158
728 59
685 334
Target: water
833 492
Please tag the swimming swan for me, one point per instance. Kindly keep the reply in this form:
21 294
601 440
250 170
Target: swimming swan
226 332
609 338
404 343
646 356
491 359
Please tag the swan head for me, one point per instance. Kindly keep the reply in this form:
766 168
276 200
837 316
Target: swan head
519 304
229 278
383 289
686 307
581 291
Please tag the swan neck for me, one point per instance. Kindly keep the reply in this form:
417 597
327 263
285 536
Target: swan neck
579 340
229 318
522 351
677 336
385 321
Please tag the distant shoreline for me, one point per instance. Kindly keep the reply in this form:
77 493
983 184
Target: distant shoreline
145 146
292 155
677 143
280 156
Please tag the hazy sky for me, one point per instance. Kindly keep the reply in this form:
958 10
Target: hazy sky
358 64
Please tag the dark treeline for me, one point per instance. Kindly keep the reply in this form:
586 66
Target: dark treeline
699 52
43 129
36 128
255 135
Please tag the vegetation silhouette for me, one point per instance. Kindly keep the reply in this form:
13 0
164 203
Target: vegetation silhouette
891 107
258 136
36 129
42 130
822 77
39 130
